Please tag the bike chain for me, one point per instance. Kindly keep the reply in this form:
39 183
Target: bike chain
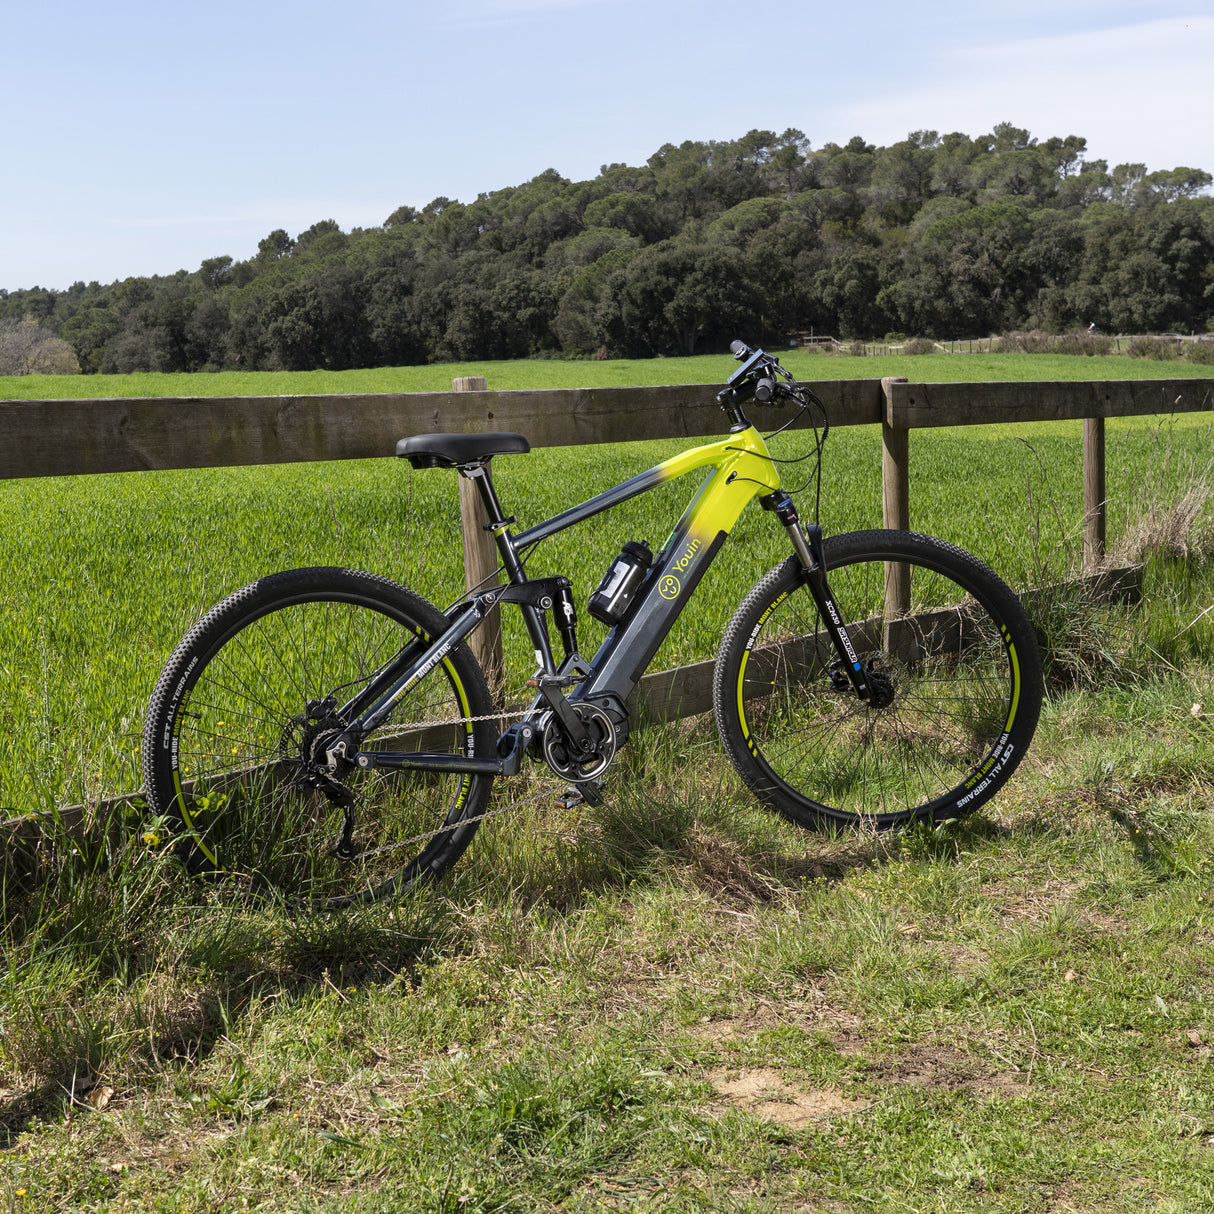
492 813
502 715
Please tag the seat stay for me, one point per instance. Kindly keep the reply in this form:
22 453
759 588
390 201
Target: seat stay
431 655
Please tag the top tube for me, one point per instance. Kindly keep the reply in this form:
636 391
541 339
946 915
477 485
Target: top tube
744 455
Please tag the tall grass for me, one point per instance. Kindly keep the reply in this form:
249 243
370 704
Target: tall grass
673 1001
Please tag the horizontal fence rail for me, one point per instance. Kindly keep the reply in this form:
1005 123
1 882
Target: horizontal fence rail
916 406
67 437
72 437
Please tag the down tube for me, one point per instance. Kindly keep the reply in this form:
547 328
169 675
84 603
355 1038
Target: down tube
695 542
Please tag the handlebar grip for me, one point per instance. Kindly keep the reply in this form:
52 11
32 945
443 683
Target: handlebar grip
739 349
765 389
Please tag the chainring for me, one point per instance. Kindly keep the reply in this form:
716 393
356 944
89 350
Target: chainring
560 755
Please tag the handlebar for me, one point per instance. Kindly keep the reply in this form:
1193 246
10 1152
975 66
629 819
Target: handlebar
756 379
761 378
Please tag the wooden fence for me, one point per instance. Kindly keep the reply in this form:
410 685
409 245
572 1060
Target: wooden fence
71 437
66 437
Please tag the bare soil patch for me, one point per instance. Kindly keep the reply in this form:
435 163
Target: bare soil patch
938 1066
764 1092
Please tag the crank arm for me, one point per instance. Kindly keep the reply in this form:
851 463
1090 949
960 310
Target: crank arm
570 723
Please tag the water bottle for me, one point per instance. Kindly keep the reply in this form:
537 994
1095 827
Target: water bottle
610 601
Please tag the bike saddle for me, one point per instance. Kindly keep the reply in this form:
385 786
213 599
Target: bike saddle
452 450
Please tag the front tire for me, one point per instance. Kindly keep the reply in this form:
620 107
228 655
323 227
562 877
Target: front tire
239 717
959 673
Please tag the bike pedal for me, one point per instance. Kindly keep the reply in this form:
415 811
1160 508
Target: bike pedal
561 681
588 792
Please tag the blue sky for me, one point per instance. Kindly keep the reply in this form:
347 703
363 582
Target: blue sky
140 138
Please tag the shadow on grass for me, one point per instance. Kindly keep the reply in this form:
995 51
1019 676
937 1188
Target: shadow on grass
119 966
122 966
711 833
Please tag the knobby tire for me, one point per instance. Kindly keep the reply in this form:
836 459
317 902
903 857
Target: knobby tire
957 667
235 723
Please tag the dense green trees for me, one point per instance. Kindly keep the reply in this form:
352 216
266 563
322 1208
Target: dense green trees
944 236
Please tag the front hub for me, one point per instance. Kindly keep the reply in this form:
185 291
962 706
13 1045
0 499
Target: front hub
882 690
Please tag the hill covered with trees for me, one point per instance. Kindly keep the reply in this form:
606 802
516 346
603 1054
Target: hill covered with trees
940 236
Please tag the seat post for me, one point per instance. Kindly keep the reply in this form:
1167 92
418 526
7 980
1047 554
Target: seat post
478 473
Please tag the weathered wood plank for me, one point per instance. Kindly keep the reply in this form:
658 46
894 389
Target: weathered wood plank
1095 504
915 406
670 695
895 499
66 437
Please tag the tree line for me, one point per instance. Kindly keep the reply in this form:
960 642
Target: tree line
938 236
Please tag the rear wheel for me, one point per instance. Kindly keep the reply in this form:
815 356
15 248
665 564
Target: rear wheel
955 668
236 731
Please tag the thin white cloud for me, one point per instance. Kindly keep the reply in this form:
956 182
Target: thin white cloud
1138 93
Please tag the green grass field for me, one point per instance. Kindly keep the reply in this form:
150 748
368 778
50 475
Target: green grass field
673 1001
503 376
107 572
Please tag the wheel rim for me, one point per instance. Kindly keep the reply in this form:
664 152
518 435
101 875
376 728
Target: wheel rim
246 781
947 684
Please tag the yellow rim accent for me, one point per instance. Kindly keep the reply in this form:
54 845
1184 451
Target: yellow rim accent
741 710
179 791
1011 716
466 708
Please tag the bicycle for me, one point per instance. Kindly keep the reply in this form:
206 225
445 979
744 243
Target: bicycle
328 733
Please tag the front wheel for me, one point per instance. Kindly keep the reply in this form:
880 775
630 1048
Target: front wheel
235 740
951 653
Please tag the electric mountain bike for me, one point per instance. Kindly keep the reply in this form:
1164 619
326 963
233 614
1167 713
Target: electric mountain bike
327 733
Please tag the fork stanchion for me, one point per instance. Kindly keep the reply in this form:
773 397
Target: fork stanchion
480 562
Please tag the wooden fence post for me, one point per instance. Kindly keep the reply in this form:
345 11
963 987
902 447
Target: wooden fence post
480 564
1095 513
895 499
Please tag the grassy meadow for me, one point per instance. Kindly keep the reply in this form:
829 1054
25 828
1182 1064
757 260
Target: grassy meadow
556 373
107 572
673 1001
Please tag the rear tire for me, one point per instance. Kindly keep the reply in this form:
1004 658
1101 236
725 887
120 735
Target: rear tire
241 710
960 672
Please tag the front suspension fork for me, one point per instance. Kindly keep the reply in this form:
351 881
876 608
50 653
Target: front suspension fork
807 543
